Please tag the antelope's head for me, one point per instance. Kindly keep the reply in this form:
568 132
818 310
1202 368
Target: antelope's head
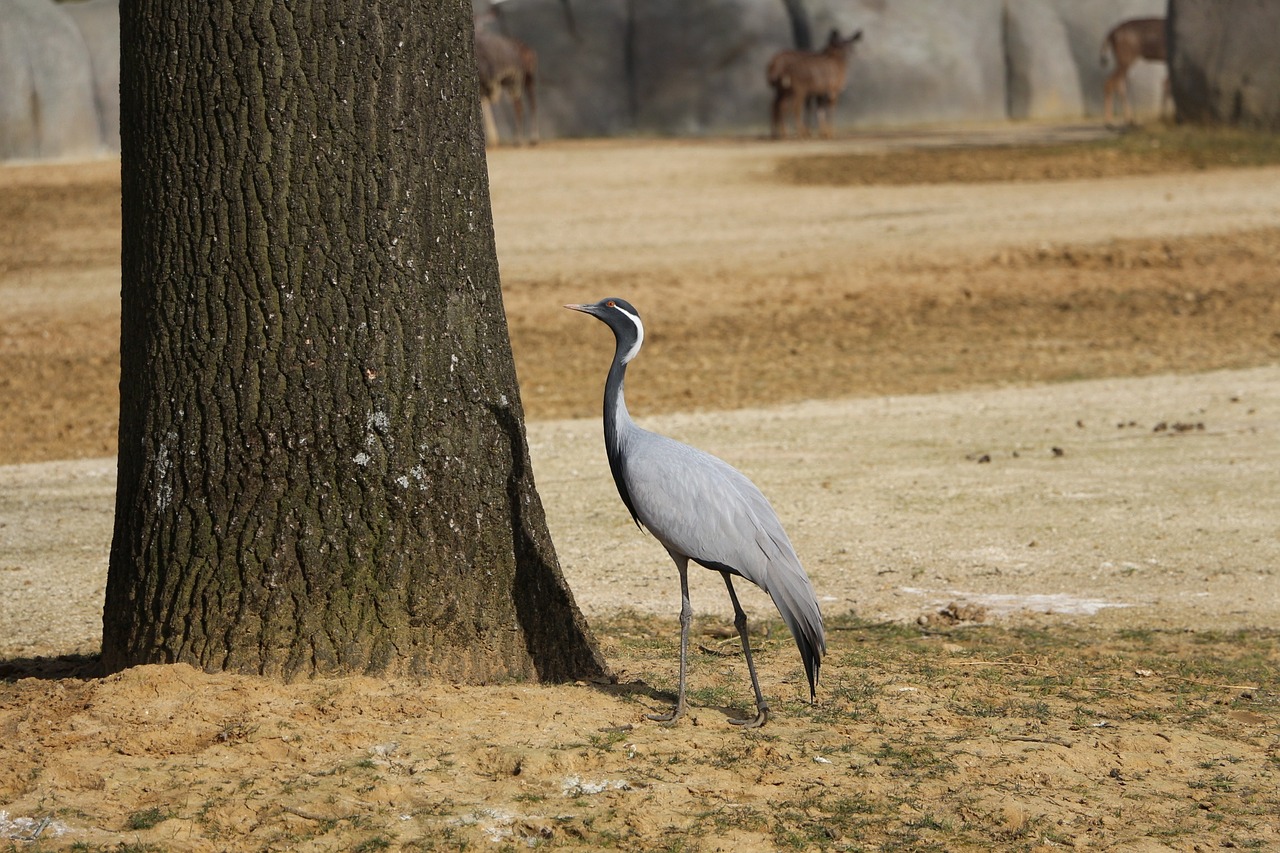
836 44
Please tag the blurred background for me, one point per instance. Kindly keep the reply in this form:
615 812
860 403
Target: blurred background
695 67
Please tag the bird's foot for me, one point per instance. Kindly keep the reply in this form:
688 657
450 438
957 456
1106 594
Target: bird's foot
754 722
670 717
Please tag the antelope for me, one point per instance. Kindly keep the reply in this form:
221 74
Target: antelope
506 65
803 79
1129 41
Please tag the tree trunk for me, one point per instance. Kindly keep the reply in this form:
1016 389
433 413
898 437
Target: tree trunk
801 31
322 457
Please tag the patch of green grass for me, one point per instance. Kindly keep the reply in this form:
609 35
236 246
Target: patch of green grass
929 821
918 759
711 696
902 712
605 741
1202 147
147 818
804 836
678 845
979 708
807 824
1220 782
742 817
1142 636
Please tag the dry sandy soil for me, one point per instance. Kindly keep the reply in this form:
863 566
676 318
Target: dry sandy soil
1025 434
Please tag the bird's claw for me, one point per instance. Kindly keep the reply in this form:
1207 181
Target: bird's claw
670 717
753 722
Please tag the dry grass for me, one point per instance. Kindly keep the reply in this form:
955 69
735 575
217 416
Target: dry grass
965 737
1152 151
970 737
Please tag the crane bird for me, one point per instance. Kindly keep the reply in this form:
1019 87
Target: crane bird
702 509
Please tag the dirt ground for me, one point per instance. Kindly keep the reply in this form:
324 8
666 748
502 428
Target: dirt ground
1025 435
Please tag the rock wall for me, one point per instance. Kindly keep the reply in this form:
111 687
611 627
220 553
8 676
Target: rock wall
1087 23
1224 62
685 67
679 67
1041 76
47 106
99 25
922 61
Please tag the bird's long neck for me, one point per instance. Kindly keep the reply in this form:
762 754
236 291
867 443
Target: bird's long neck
616 417
617 426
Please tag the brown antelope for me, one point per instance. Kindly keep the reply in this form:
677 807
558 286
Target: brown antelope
803 79
1129 41
506 65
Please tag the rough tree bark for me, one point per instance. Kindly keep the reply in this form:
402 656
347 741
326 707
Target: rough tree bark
322 462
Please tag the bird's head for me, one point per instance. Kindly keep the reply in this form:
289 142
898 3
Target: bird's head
624 319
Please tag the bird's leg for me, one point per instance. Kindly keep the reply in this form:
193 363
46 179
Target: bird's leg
686 618
740 622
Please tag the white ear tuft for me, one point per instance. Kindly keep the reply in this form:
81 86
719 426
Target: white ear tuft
635 349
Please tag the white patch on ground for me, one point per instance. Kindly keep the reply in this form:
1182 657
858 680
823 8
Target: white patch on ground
1003 604
30 828
503 827
575 786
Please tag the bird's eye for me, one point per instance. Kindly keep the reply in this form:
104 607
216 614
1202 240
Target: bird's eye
611 303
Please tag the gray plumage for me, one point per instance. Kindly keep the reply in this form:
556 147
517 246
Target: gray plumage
702 509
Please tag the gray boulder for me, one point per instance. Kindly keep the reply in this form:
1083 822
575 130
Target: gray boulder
661 66
582 85
46 84
1043 81
921 60
700 67
99 25
1225 66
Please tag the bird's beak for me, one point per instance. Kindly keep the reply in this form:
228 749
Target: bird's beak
585 309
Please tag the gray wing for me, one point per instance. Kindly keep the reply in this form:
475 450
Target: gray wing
704 508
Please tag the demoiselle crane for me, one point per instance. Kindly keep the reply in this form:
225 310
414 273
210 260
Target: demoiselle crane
702 509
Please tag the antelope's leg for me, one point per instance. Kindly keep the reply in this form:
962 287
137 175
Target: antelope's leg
490 126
